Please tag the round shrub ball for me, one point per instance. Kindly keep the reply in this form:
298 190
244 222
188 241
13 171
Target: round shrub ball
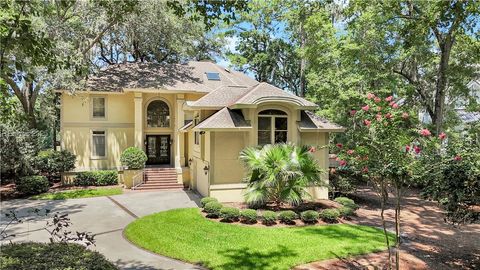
346 212
309 216
229 214
287 217
346 202
249 216
269 217
134 158
330 215
206 200
213 209
32 185
35 255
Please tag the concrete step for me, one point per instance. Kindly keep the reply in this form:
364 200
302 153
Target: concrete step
159 170
160 177
161 182
159 186
161 174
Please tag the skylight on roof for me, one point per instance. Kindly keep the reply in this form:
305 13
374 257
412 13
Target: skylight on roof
213 76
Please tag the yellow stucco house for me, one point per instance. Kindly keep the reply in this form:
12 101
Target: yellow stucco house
192 120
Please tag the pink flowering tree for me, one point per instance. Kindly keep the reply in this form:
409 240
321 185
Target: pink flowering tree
384 145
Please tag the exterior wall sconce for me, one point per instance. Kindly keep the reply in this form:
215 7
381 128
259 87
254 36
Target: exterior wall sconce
145 142
202 132
206 169
190 162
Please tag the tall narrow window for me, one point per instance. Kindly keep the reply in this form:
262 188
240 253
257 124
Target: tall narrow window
272 127
196 134
158 114
98 144
98 107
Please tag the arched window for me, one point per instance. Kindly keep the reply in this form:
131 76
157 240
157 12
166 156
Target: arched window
272 127
158 114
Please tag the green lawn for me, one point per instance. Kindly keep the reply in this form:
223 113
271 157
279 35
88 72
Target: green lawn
186 235
78 193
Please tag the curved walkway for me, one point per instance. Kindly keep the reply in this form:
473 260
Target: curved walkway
106 217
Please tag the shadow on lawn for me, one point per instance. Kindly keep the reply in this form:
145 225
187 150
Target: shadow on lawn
243 258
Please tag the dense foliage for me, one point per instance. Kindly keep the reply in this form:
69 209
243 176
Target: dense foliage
213 209
31 185
51 256
229 214
134 158
329 215
269 217
279 174
249 216
287 216
456 184
51 163
309 216
96 178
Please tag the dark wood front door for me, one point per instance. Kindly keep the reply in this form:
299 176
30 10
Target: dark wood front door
158 149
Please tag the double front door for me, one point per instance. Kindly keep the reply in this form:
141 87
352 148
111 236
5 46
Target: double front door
158 149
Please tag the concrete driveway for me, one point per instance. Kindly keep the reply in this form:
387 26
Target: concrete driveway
106 217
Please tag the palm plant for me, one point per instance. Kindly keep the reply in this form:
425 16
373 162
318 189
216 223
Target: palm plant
279 173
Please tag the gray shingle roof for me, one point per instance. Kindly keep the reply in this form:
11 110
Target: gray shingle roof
267 92
189 77
224 119
311 121
221 97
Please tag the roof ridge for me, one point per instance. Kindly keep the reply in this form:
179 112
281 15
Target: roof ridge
248 92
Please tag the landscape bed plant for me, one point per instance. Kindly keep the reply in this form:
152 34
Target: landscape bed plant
309 216
229 214
96 178
329 215
31 185
249 216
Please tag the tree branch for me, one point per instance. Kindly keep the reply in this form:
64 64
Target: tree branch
98 37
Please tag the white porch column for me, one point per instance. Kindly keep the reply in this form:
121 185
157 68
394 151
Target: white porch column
179 137
138 137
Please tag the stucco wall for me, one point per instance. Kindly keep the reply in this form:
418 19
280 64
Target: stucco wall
320 141
77 126
226 167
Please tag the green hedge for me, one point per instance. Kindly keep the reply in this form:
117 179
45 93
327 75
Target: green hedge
269 217
51 256
213 209
330 215
347 202
287 217
32 185
96 178
52 162
229 214
206 200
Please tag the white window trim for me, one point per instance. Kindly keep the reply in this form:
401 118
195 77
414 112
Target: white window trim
92 145
272 126
96 118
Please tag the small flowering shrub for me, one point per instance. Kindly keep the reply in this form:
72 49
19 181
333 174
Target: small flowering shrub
213 209
346 202
346 212
206 200
229 214
309 216
249 216
330 215
269 218
287 217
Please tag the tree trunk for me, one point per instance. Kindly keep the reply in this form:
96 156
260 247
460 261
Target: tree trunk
441 86
383 202
303 62
397 226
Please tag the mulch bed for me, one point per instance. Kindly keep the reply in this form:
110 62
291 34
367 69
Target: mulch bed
429 242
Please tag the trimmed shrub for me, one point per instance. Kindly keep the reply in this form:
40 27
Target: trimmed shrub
213 209
269 217
346 212
309 216
229 214
330 215
52 163
32 185
134 158
347 202
287 217
249 216
96 178
35 255
206 200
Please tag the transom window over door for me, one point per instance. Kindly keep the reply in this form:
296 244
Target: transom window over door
272 127
158 114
